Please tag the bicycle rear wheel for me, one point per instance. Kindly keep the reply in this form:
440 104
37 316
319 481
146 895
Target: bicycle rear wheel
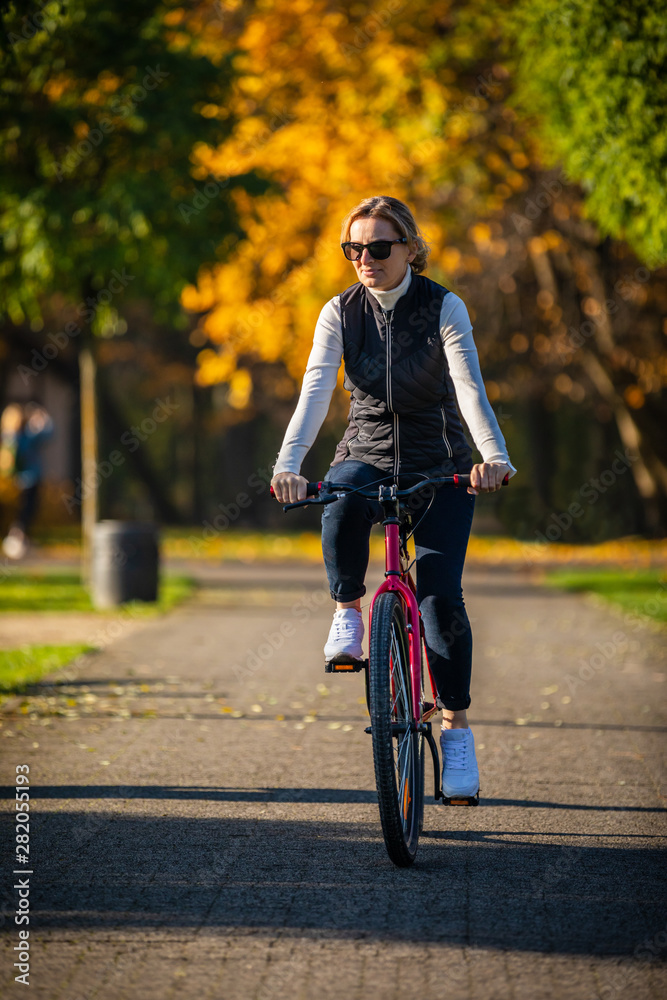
397 749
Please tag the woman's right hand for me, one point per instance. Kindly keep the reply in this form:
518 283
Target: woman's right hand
288 487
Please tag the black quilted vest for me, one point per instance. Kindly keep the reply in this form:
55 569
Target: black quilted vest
403 415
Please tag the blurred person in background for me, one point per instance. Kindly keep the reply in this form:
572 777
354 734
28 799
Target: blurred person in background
24 429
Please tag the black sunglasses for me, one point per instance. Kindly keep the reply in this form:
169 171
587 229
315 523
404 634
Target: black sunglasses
379 249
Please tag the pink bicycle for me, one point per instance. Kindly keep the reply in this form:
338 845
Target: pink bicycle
394 673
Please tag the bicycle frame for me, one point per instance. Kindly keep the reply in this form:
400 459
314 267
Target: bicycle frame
399 581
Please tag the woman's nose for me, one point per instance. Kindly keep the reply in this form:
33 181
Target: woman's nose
366 257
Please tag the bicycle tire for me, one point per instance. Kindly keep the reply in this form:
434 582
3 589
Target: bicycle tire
397 757
422 745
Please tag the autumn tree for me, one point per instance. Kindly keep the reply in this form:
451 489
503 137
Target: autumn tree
430 102
100 198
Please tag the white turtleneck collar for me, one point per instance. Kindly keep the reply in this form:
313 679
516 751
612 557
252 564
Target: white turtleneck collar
390 296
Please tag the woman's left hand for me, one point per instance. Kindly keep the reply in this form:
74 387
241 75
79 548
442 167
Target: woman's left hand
487 477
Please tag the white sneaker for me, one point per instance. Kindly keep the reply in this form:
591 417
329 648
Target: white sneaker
460 775
345 636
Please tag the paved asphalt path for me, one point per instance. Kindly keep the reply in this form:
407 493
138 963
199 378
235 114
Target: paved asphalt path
205 824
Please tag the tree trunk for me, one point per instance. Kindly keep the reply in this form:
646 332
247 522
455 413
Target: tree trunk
645 479
198 408
157 488
89 499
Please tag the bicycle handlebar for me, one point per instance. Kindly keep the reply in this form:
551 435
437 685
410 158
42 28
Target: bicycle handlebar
334 490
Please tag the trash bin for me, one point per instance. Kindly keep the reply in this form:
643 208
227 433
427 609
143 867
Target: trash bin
125 561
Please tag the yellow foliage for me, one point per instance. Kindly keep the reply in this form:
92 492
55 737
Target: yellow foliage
56 86
240 388
263 546
552 239
174 16
108 81
334 105
93 96
480 233
451 259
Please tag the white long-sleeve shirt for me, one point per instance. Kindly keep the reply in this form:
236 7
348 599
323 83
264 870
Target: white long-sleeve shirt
321 375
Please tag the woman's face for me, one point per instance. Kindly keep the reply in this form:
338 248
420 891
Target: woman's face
380 274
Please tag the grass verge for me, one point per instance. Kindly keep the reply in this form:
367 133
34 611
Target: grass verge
642 593
29 664
63 591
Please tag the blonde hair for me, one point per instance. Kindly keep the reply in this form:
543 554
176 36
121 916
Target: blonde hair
399 215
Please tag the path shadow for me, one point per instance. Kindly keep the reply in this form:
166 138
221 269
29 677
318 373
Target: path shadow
195 793
323 878
209 793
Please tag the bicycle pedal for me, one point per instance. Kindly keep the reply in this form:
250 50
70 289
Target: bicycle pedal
345 666
461 800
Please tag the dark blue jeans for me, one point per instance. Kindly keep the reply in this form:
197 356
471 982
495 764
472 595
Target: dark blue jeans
441 539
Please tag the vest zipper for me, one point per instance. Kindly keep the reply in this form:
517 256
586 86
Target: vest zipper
396 445
388 320
444 430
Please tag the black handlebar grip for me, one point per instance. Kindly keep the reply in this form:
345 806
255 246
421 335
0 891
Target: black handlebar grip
312 489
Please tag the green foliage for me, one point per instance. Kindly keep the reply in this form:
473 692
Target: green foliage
643 593
593 72
101 109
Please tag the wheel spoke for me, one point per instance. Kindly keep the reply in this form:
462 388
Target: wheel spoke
397 674
403 747
403 788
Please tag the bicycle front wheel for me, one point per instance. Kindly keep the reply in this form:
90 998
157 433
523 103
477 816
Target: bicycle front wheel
397 749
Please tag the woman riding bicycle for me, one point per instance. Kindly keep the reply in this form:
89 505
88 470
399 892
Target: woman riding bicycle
409 358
